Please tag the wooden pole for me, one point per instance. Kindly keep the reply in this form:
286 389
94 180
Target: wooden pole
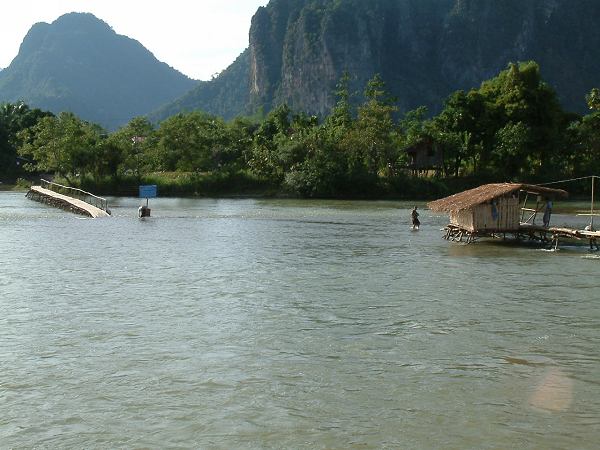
592 206
524 206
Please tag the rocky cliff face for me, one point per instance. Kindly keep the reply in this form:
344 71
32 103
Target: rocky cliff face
423 49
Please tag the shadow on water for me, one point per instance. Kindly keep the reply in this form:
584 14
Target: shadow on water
490 247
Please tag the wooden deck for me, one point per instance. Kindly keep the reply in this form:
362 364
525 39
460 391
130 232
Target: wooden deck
526 232
561 231
555 234
65 202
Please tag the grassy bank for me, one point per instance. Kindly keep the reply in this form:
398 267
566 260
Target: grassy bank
245 184
175 184
20 185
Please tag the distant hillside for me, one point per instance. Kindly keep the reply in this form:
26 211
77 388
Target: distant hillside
226 96
79 64
423 49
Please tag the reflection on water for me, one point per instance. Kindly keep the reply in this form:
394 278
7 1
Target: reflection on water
289 324
554 393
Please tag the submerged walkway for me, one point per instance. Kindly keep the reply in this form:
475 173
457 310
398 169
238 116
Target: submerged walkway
526 231
68 203
556 233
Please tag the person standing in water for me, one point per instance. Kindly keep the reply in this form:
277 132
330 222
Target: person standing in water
547 213
415 219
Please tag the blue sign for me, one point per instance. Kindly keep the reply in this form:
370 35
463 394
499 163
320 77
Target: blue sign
149 191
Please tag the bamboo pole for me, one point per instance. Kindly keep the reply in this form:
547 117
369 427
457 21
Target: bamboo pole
592 206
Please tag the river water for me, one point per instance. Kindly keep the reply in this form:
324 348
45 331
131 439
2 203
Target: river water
288 324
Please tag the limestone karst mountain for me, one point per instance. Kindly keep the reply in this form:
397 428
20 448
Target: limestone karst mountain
79 64
423 49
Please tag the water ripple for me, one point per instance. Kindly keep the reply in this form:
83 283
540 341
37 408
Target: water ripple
275 324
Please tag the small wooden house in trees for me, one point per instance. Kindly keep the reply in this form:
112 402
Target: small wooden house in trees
493 208
424 156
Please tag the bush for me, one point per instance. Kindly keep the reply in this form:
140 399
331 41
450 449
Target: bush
181 184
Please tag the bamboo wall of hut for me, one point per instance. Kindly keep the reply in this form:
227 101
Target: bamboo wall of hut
490 208
502 213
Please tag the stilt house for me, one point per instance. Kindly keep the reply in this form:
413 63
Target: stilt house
424 156
493 208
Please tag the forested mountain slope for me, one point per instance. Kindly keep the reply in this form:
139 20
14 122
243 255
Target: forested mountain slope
79 64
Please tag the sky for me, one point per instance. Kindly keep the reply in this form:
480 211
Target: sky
200 38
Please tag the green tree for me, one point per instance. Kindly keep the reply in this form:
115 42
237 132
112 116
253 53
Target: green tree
14 117
465 128
374 142
271 134
192 142
237 145
129 148
593 99
341 114
7 153
108 159
64 145
522 96
320 163
322 172
512 145
513 120
412 126
586 141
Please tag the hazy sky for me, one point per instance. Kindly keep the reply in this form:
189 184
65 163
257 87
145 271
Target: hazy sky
197 37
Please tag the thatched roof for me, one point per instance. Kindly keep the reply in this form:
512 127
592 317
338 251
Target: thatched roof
487 192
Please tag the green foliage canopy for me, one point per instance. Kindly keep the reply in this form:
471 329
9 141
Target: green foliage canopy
62 144
510 128
14 118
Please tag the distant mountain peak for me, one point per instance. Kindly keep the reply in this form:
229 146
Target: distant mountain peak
79 63
85 21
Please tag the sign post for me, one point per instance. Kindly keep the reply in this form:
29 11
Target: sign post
147 192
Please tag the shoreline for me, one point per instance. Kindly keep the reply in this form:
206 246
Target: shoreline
571 205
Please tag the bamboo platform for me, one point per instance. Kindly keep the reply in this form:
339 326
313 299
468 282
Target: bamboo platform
549 236
555 234
40 194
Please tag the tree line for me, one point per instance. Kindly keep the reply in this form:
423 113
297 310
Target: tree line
511 128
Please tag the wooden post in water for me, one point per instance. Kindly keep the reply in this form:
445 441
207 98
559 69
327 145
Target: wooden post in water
592 206
149 191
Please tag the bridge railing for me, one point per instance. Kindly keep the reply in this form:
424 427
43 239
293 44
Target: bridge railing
89 198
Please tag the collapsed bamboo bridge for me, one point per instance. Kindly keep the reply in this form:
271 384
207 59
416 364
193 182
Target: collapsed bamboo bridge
69 199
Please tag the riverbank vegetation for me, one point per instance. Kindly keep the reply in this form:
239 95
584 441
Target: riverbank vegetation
511 128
